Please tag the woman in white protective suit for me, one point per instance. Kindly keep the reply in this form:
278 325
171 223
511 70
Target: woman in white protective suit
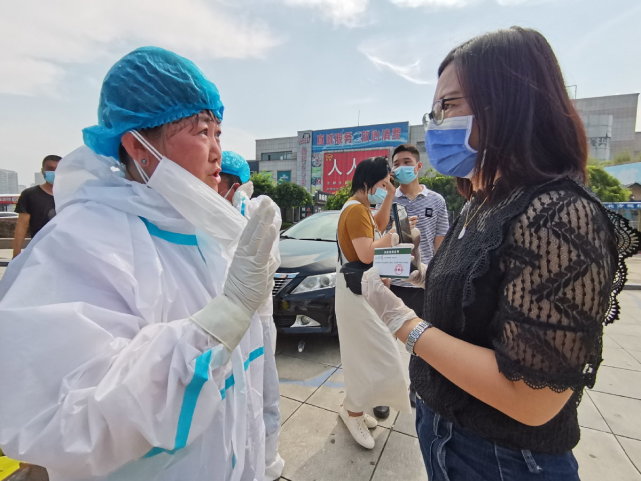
130 345
237 189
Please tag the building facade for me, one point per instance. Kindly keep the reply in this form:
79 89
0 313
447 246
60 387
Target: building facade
324 160
8 182
610 124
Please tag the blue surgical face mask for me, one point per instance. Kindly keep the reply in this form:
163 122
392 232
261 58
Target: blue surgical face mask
49 175
404 174
448 146
377 197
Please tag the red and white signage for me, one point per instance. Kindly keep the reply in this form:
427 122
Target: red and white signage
339 167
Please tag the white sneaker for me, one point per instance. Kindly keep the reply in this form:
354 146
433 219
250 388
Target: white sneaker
357 428
275 470
370 421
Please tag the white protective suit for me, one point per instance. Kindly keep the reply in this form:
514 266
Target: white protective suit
103 374
271 392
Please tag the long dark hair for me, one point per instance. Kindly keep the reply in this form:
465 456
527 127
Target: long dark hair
369 172
529 130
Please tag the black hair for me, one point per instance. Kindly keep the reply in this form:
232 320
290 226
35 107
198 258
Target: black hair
369 172
123 156
230 179
55 158
529 130
407 148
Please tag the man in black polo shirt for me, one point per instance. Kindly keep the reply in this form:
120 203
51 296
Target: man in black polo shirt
35 205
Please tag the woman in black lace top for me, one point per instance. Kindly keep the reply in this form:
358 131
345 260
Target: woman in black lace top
523 283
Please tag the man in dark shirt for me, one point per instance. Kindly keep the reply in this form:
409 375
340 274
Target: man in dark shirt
35 205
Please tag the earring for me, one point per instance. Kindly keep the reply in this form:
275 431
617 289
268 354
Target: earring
144 161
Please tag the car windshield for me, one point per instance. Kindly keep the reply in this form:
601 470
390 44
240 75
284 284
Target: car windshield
321 226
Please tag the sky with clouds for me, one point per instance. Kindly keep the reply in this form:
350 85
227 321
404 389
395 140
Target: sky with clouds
282 65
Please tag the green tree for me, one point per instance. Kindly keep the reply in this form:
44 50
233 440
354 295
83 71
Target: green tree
263 184
605 186
336 201
446 186
288 194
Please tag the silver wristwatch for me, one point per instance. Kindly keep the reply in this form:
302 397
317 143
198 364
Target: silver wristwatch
420 328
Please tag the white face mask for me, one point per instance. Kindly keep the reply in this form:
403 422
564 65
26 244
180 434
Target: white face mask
143 175
226 196
197 202
242 196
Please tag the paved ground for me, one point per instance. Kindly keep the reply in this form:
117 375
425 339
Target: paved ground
316 445
634 270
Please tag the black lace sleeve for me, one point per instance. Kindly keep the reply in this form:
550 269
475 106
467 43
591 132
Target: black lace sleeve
628 243
560 260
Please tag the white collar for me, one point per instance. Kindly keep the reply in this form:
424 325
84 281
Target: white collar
423 192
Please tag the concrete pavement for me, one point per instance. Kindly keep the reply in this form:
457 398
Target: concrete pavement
634 272
316 445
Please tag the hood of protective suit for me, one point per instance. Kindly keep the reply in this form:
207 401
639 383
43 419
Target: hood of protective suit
84 176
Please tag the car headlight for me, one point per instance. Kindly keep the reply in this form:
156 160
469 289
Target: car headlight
313 283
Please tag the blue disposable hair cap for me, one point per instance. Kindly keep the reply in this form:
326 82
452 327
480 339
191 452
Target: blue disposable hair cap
235 164
146 88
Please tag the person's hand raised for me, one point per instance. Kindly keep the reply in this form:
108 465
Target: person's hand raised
389 186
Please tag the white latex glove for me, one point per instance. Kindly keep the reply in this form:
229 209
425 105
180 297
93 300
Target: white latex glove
249 281
251 206
417 277
390 308
267 308
394 238
250 273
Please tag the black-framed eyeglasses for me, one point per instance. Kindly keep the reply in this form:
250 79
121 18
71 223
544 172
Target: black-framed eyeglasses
437 114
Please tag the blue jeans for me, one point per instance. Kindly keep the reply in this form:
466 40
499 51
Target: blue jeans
454 454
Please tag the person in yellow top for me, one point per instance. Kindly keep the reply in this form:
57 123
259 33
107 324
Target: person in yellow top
372 367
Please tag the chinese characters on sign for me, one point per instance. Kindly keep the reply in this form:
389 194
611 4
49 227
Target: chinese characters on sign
304 156
339 167
336 152
386 135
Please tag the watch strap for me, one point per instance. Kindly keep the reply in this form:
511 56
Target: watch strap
414 334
